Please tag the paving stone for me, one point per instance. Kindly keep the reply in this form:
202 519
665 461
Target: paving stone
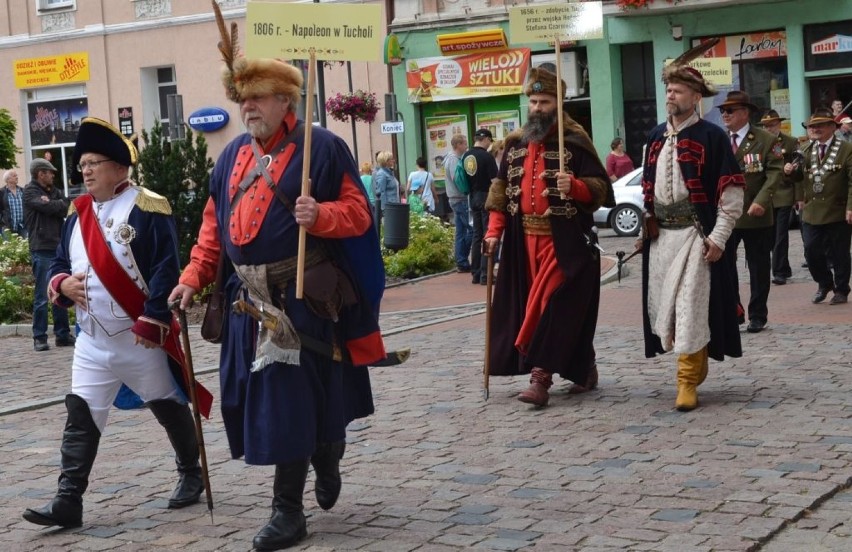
797 467
675 514
737 469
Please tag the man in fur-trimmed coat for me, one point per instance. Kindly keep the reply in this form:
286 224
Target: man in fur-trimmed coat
546 301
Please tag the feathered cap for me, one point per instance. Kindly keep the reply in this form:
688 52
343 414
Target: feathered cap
821 116
738 97
679 70
769 117
244 78
542 81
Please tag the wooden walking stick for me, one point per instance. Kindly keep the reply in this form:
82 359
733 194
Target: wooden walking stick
489 285
306 170
196 415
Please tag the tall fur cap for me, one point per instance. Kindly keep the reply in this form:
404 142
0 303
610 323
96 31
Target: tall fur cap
679 71
542 81
245 78
261 77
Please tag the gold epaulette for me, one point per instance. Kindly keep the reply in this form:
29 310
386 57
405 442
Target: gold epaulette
71 209
152 202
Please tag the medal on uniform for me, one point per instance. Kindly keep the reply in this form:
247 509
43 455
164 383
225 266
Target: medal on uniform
124 234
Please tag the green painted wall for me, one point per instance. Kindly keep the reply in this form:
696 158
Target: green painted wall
643 26
789 15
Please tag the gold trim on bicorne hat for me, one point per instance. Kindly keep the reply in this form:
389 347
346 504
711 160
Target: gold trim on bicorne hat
542 81
770 117
246 78
98 136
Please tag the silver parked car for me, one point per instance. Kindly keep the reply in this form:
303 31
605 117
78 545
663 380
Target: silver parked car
626 217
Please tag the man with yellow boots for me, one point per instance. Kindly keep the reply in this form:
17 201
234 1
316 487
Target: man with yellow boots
693 195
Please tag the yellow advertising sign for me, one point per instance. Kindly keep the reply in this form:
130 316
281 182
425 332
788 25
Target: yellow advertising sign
489 40
342 32
715 70
572 21
51 70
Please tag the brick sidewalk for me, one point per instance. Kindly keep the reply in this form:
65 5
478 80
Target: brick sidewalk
437 468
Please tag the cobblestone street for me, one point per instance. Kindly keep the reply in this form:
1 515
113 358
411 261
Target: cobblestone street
763 464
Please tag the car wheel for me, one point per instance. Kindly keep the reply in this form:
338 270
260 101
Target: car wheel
626 220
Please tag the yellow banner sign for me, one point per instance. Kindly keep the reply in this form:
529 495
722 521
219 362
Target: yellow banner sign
342 32
715 70
52 70
572 21
472 41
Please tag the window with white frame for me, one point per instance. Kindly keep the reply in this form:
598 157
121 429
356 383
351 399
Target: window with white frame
47 5
157 84
166 85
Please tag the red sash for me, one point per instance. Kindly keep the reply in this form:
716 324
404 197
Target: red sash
128 295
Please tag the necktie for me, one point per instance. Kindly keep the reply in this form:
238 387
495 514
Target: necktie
821 151
734 141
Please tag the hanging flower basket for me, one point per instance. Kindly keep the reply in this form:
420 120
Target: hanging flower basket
626 5
359 105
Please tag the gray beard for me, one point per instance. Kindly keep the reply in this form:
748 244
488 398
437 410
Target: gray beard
538 126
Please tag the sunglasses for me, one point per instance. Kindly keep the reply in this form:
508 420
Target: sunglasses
729 110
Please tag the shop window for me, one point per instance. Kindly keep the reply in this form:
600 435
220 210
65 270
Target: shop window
157 84
759 66
53 119
48 5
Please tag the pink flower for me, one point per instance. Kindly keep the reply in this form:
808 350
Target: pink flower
359 105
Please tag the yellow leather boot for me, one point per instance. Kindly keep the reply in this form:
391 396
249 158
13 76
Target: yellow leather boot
690 369
705 365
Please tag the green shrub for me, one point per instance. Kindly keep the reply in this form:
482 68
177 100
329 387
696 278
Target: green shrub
17 283
16 280
429 251
180 171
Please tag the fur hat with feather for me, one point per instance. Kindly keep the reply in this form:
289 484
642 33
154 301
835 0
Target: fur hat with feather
245 78
679 70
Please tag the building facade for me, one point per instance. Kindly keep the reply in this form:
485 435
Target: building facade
789 55
120 60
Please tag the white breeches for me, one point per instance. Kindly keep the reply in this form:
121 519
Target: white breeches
103 363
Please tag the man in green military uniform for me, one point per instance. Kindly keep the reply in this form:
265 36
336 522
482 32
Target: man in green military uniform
763 169
824 195
782 200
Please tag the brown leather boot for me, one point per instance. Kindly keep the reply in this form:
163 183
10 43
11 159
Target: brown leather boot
590 384
536 393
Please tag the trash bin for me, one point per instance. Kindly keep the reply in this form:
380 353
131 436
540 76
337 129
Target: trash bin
395 221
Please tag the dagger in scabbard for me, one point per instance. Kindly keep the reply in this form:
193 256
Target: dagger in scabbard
332 351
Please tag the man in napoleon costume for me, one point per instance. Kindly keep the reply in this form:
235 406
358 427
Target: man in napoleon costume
116 263
693 189
287 396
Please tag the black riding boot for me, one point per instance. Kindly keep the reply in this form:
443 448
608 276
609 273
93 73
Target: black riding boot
326 463
287 525
79 448
177 420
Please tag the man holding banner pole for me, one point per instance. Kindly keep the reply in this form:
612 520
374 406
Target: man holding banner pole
547 294
292 383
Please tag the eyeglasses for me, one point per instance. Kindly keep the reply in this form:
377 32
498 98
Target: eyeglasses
90 164
729 110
